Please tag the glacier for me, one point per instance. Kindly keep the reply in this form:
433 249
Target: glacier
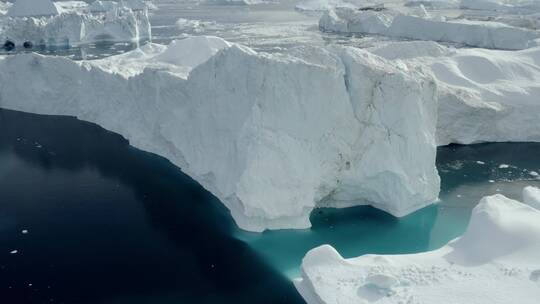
257 130
76 24
495 261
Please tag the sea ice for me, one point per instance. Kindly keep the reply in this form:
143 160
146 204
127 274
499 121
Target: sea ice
496 261
271 135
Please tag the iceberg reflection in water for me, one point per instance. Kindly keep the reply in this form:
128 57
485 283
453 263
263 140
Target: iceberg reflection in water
107 223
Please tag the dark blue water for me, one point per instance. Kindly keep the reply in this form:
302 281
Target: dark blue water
108 223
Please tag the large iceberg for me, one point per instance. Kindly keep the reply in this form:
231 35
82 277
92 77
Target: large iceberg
101 21
484 95
272 136
496 261
393 23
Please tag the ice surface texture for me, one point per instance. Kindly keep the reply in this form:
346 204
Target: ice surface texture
484 95
496 261
272 136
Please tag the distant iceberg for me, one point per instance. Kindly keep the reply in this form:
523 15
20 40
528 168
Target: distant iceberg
393 23
496 261
42 23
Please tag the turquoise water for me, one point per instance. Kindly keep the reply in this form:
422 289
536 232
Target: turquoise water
108 223
468 173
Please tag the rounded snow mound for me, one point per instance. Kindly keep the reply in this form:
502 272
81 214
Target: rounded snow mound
32 8
496 261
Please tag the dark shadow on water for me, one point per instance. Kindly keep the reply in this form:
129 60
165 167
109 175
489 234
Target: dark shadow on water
111 224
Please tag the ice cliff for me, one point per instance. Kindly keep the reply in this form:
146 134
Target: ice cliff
272 136
100 21
496 261
393 23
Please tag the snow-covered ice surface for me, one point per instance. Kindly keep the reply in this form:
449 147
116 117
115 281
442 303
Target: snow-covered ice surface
495 261
484 95
257 130
75 24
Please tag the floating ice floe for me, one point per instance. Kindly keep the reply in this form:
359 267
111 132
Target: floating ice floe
531 197
392 23
273 136
496 261
42 23
484 95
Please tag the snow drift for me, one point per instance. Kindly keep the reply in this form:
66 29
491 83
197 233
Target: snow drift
259 131
392 23
495 261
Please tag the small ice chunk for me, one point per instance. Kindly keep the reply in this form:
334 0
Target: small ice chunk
504 166
24 231
491 181
14 251
534 173
480 162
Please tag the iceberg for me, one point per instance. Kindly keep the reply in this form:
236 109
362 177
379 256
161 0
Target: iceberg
75 24
495 261
392 23
258 130
484 95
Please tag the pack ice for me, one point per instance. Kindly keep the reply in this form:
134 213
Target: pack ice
419 25
272 136
42 23
496 261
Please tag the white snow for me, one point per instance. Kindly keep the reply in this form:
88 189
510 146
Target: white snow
78 24
32 8
392 23
484 95
496 261
259 131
